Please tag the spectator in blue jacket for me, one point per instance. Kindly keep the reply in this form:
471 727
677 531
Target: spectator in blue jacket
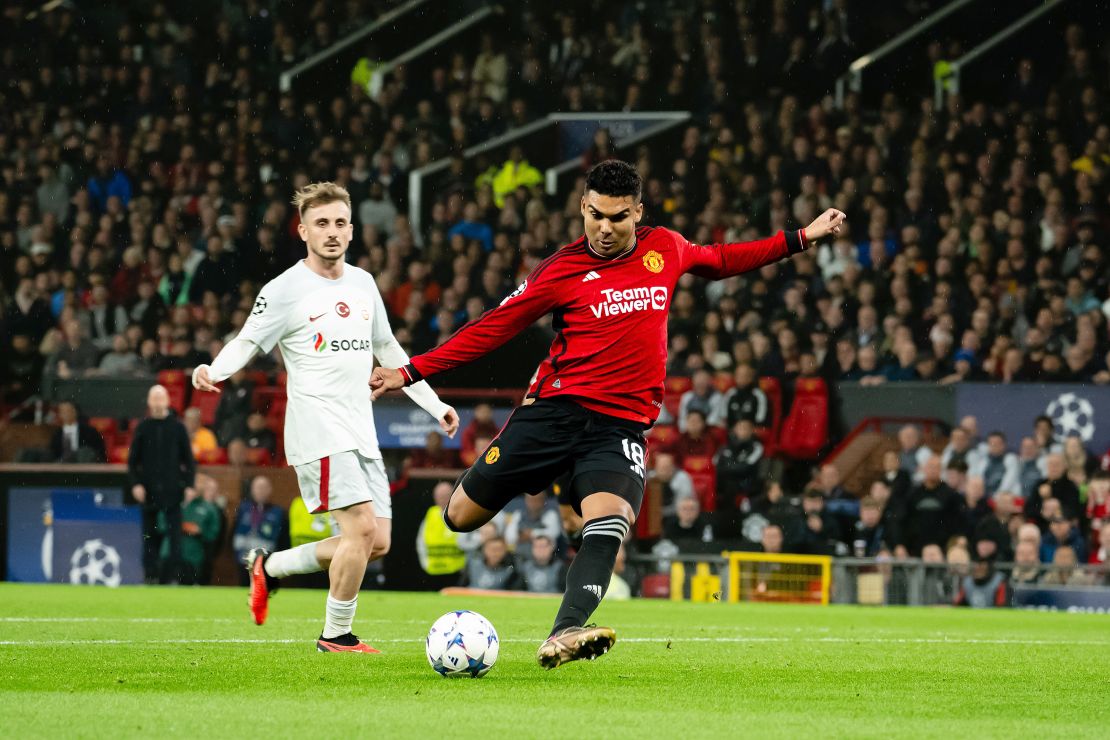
108 183
1062 533
472 227
258 523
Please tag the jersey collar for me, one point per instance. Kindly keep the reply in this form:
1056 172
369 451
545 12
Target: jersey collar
631 248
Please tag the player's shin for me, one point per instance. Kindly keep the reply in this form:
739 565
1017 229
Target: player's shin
294 561
589 574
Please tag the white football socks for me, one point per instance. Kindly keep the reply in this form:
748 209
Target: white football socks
338 617
300 559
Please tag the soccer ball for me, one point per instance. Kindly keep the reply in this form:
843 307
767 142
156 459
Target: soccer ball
462 643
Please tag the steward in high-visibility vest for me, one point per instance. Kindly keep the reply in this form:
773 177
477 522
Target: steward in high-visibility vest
437 546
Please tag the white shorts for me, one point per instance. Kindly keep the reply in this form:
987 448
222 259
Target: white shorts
344 479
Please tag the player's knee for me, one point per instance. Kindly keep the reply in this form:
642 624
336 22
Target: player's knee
361 529
458 519
382 542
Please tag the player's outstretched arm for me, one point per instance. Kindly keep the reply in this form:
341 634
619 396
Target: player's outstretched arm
725 260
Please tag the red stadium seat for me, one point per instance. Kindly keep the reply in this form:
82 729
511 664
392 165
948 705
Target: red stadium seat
259 456
704 475
178 388
265 396
661 437
275 412
106 425
119 454
656 586
806 429
769 436
217 456
207 402
282 378
258 377
673 388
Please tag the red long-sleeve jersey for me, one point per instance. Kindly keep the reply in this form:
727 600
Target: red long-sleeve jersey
610 315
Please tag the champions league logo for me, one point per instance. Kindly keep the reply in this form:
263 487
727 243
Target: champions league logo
95 563
1072 414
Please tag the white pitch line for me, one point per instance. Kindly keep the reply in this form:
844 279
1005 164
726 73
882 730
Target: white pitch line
670 640
173 620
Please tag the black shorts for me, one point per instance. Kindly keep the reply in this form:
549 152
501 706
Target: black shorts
552 438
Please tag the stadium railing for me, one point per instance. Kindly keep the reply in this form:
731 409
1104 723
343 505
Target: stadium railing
377 78
951 83
544 140
285 81
853 78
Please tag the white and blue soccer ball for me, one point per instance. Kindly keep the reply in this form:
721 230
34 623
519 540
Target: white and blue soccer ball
462 644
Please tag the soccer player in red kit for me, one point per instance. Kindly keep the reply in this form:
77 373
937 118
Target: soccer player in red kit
601 386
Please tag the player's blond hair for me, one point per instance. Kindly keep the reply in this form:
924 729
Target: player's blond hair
320 194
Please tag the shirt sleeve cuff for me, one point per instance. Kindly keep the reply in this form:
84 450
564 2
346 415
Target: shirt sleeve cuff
796 241
411 374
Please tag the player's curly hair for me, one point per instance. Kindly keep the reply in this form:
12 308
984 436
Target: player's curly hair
616 178
320 194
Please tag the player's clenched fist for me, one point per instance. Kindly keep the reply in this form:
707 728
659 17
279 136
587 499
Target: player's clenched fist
827 223
384 379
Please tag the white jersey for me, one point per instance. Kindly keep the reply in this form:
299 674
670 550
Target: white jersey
329 332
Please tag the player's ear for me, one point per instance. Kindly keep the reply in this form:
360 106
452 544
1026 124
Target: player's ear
303 231
582 205
638 211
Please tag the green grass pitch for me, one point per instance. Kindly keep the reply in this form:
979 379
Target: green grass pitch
186 662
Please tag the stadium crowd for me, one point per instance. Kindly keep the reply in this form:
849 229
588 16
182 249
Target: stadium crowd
144 190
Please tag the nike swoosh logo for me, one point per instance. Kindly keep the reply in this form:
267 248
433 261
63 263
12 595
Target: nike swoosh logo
313 318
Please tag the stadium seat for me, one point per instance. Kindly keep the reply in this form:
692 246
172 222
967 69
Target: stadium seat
119 454
661 437
704 475
207 402
258 377
673 388
217 456
265 396
281 378
769 436
178 388
806 429
106 425
259 456
656 586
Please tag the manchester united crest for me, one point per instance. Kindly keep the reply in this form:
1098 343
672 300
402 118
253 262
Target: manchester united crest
653 261
493 455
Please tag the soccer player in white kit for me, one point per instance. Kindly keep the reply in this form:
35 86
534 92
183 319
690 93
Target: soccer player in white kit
329 319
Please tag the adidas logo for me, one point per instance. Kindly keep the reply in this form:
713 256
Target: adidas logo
591 275
595 590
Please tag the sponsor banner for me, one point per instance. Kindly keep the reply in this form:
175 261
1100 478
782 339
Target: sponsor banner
95 543
1092 600
1074 409
406 425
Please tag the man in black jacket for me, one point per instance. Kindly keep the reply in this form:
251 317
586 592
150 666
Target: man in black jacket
161 467
932 512
75 440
